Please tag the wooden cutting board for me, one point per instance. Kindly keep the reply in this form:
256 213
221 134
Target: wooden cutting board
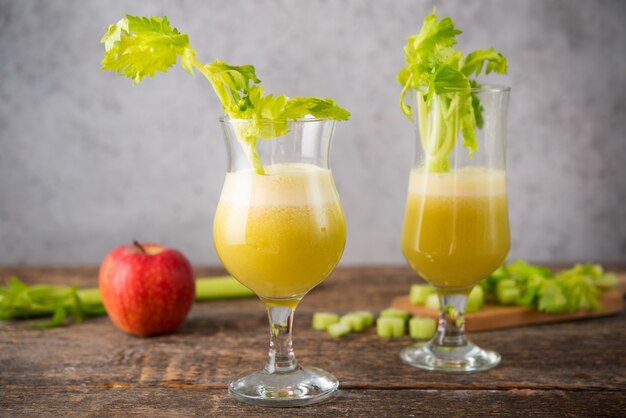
497 317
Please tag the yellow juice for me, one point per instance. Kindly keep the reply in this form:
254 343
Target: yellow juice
282 233
456 225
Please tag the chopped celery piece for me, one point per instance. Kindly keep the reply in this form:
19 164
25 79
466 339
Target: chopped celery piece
338 329
504 283
367 316
321 320
475 300
606 281
390 326
355 322
394 313
419 293
432 302
508 295
422 328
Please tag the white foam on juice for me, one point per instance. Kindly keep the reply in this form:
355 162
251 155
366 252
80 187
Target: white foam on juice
468 181
281 185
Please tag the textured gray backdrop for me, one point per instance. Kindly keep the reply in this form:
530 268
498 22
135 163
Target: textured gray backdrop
89 162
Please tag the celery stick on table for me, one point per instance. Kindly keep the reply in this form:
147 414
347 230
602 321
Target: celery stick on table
19 300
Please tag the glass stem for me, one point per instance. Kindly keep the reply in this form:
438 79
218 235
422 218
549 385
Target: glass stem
281 357
451 330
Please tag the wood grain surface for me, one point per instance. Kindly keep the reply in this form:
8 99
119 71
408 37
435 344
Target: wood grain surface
92 369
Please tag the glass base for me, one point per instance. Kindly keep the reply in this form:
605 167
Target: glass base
465 359
303 386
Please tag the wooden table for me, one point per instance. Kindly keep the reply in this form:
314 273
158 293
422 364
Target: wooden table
569 369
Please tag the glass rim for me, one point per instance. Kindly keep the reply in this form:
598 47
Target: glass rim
491 88
226 118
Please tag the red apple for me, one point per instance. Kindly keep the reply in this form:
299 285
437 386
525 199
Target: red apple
146 289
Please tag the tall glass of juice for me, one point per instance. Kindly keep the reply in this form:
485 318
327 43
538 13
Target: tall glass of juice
456 227
279 229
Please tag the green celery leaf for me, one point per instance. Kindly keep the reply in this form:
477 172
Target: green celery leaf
234 86
531 291
139 47
19 300
551 298
298 107
566 291
431 42
477 106
579 287
468 122
447 77
58 318
424 53
114 34
474 62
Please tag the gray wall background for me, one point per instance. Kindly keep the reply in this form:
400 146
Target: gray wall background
89 162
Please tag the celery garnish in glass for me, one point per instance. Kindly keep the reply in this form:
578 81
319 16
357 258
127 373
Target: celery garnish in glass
439 76
137 47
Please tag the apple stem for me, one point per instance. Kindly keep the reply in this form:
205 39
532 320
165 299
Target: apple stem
138 245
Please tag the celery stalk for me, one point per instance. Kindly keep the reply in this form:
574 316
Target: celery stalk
390 327
222 287
475 300
422 328
356 323
420 292
90 296
322 320
366 316
394 313
338 329
508 295
432 302
19 300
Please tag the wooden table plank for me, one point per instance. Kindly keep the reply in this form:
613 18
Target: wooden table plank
212 348
94 367
164 402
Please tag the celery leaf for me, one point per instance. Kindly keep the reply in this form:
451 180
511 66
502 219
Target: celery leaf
565 291
474 62
139 47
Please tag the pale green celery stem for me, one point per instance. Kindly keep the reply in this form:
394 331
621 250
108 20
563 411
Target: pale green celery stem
438 136
249 147
89 296
248 143
207 288
221 287
423 121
